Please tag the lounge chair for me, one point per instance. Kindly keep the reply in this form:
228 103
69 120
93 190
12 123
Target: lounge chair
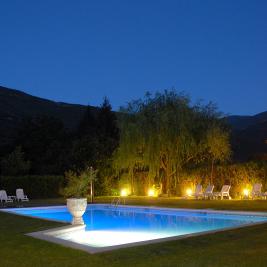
209 191
20 195
198 192
256 191
224 192
4 197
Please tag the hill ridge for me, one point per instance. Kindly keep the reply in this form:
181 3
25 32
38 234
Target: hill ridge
249 136
17 105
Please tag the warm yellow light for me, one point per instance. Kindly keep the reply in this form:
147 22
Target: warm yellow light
246 192
189 192
124 192
151 192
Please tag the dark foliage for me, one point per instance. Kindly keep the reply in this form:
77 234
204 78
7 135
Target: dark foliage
44 146
97 138
45 142
35 186
107 130
14 163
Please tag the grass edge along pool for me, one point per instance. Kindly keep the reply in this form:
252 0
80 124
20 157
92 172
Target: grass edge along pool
128 226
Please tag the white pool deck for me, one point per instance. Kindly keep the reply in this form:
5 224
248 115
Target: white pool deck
77 235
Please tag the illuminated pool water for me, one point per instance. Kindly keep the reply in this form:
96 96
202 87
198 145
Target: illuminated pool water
111 226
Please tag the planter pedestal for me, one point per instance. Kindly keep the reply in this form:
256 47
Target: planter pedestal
77 207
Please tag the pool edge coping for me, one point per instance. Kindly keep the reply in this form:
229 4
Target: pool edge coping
47 235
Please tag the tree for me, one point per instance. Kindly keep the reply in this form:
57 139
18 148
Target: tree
218 146
107 129
45 143
97 138
108 140
84 148
88 123
84 151
15 164
163 134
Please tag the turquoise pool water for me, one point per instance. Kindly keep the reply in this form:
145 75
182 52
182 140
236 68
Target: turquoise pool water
109 226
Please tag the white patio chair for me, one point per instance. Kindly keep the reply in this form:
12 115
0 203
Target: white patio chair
256 190
224 192
20 195
209 191
198 192
4 197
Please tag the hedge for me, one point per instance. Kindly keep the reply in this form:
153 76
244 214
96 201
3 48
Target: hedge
35 186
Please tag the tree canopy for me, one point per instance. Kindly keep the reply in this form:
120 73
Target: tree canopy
14 163
164 133
45 143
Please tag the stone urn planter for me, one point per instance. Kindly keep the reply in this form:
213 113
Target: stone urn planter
77 207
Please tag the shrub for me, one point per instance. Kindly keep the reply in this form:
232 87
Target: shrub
79 184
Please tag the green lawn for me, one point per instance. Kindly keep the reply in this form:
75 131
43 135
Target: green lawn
242 247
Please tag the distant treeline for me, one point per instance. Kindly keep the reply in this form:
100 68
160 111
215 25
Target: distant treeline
43 145
162 139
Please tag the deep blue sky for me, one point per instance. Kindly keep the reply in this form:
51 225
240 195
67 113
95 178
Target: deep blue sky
79 51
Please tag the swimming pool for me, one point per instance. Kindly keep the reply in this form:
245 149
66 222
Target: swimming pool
107 226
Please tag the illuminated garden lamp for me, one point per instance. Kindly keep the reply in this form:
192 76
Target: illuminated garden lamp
124 192
246 192
151 192
189 192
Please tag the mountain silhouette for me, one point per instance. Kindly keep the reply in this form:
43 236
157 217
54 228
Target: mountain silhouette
249 133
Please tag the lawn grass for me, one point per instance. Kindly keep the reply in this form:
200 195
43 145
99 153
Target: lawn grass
240 247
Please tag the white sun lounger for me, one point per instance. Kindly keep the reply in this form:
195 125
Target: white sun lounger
209 191
198 192
4 197
224 192
256 190
20 195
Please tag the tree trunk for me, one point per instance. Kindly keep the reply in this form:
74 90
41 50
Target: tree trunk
91 191
132 182
167 183
212 169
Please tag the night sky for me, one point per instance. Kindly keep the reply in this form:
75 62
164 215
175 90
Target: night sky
80 51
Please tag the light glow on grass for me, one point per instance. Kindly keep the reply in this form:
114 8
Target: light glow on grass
246 192
189 192
124 192
151 192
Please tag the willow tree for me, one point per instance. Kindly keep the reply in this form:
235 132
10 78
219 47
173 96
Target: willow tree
162 133
129 154
218 146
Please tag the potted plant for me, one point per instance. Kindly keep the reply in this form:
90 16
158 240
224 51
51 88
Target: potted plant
76 192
